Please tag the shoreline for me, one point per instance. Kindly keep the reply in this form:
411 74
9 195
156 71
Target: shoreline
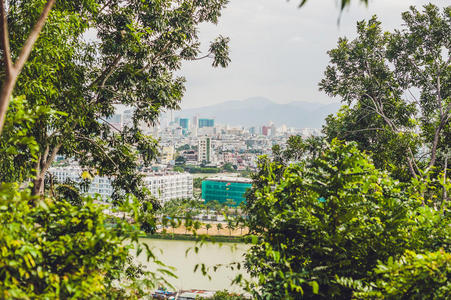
196 238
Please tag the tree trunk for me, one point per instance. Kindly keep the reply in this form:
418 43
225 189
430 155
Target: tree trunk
45 160
38 186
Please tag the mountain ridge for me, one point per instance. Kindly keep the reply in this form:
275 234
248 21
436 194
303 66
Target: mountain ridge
258 111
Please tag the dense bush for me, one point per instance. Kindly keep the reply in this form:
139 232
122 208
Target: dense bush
56 250
413 276
332 215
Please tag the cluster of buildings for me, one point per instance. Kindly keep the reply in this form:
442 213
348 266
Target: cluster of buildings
200 141
164 186
197 142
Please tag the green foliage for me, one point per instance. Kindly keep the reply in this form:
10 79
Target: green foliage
413 276
56 250
178 169
225 295
184 147
61 245
138 48
206 170
228 167
197 182
331 215
395 86
16 145
180 161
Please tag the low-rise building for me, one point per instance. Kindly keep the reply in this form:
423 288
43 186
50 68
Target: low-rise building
100 185
168 186
230 190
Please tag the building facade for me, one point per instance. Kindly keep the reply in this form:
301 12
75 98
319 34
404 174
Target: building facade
204 150
184 123
206 123
230 190
100 185
168 186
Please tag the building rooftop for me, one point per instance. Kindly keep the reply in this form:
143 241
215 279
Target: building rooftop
230 179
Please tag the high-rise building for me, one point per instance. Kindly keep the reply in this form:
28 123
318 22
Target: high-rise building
167 154
204 150
206 123
265 130
273 130
184 123
195 122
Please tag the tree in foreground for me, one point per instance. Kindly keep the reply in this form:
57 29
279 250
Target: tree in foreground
53 245
413 276
329 216
55 250
75 83
396 87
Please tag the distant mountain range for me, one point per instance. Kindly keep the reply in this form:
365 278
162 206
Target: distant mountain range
259 111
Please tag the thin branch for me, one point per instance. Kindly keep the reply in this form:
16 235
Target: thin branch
104 6
49 159
109 124
5 40
445 195
366 129
442 124
100 147
106 73
13 71
28 46
414 98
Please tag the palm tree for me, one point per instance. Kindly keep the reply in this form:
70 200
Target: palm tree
242 226
231 226
173 224
197 225
207 226
219 227
164 222
188 224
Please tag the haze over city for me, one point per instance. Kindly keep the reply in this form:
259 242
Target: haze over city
279 51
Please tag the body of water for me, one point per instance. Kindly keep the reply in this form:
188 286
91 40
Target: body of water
173 253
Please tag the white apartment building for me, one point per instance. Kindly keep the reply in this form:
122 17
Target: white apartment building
168 186
99 185
204 149
164 186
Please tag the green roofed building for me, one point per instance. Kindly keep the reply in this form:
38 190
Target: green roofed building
225 189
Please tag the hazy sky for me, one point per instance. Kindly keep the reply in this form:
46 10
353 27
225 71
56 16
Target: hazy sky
279 51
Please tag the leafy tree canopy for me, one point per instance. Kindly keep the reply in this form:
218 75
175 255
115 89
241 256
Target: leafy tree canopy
396 90
332 214
74 83
52 250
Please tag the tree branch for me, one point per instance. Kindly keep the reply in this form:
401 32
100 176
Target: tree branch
49 159
5 40
106 73
100 147
13 71
28 46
